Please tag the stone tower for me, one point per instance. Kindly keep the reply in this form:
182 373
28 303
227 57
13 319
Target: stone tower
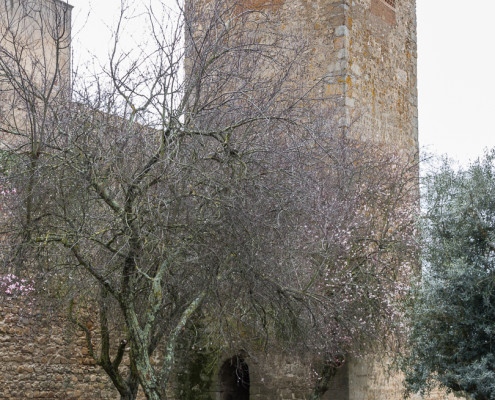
362 58
363 55
365 52
381 74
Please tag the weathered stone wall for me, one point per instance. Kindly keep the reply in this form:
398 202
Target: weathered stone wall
373 378
273 377
362 60
35 49
321 23
42 30
42 358
381 74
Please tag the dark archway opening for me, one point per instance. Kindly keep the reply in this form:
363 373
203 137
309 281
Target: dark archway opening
234 379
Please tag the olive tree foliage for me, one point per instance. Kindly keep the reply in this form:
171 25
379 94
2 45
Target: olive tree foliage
452 310
198 183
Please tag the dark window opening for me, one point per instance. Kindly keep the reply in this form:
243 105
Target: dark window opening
234 379
391 3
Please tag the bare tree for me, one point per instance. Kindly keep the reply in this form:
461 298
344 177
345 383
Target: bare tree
223 194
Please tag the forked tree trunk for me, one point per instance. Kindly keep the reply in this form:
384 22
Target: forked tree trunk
133 387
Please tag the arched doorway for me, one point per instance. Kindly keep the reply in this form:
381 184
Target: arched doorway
234 379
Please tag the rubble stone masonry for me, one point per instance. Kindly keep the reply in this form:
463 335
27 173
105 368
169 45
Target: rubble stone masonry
42 358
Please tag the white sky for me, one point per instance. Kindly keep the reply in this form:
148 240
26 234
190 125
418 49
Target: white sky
456 76
456 69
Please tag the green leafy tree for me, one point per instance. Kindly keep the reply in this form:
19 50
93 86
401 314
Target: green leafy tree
452 310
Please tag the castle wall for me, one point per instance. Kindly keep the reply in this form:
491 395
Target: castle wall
40 29
42 358
361 59
274 377
373 378
381 71
322 24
